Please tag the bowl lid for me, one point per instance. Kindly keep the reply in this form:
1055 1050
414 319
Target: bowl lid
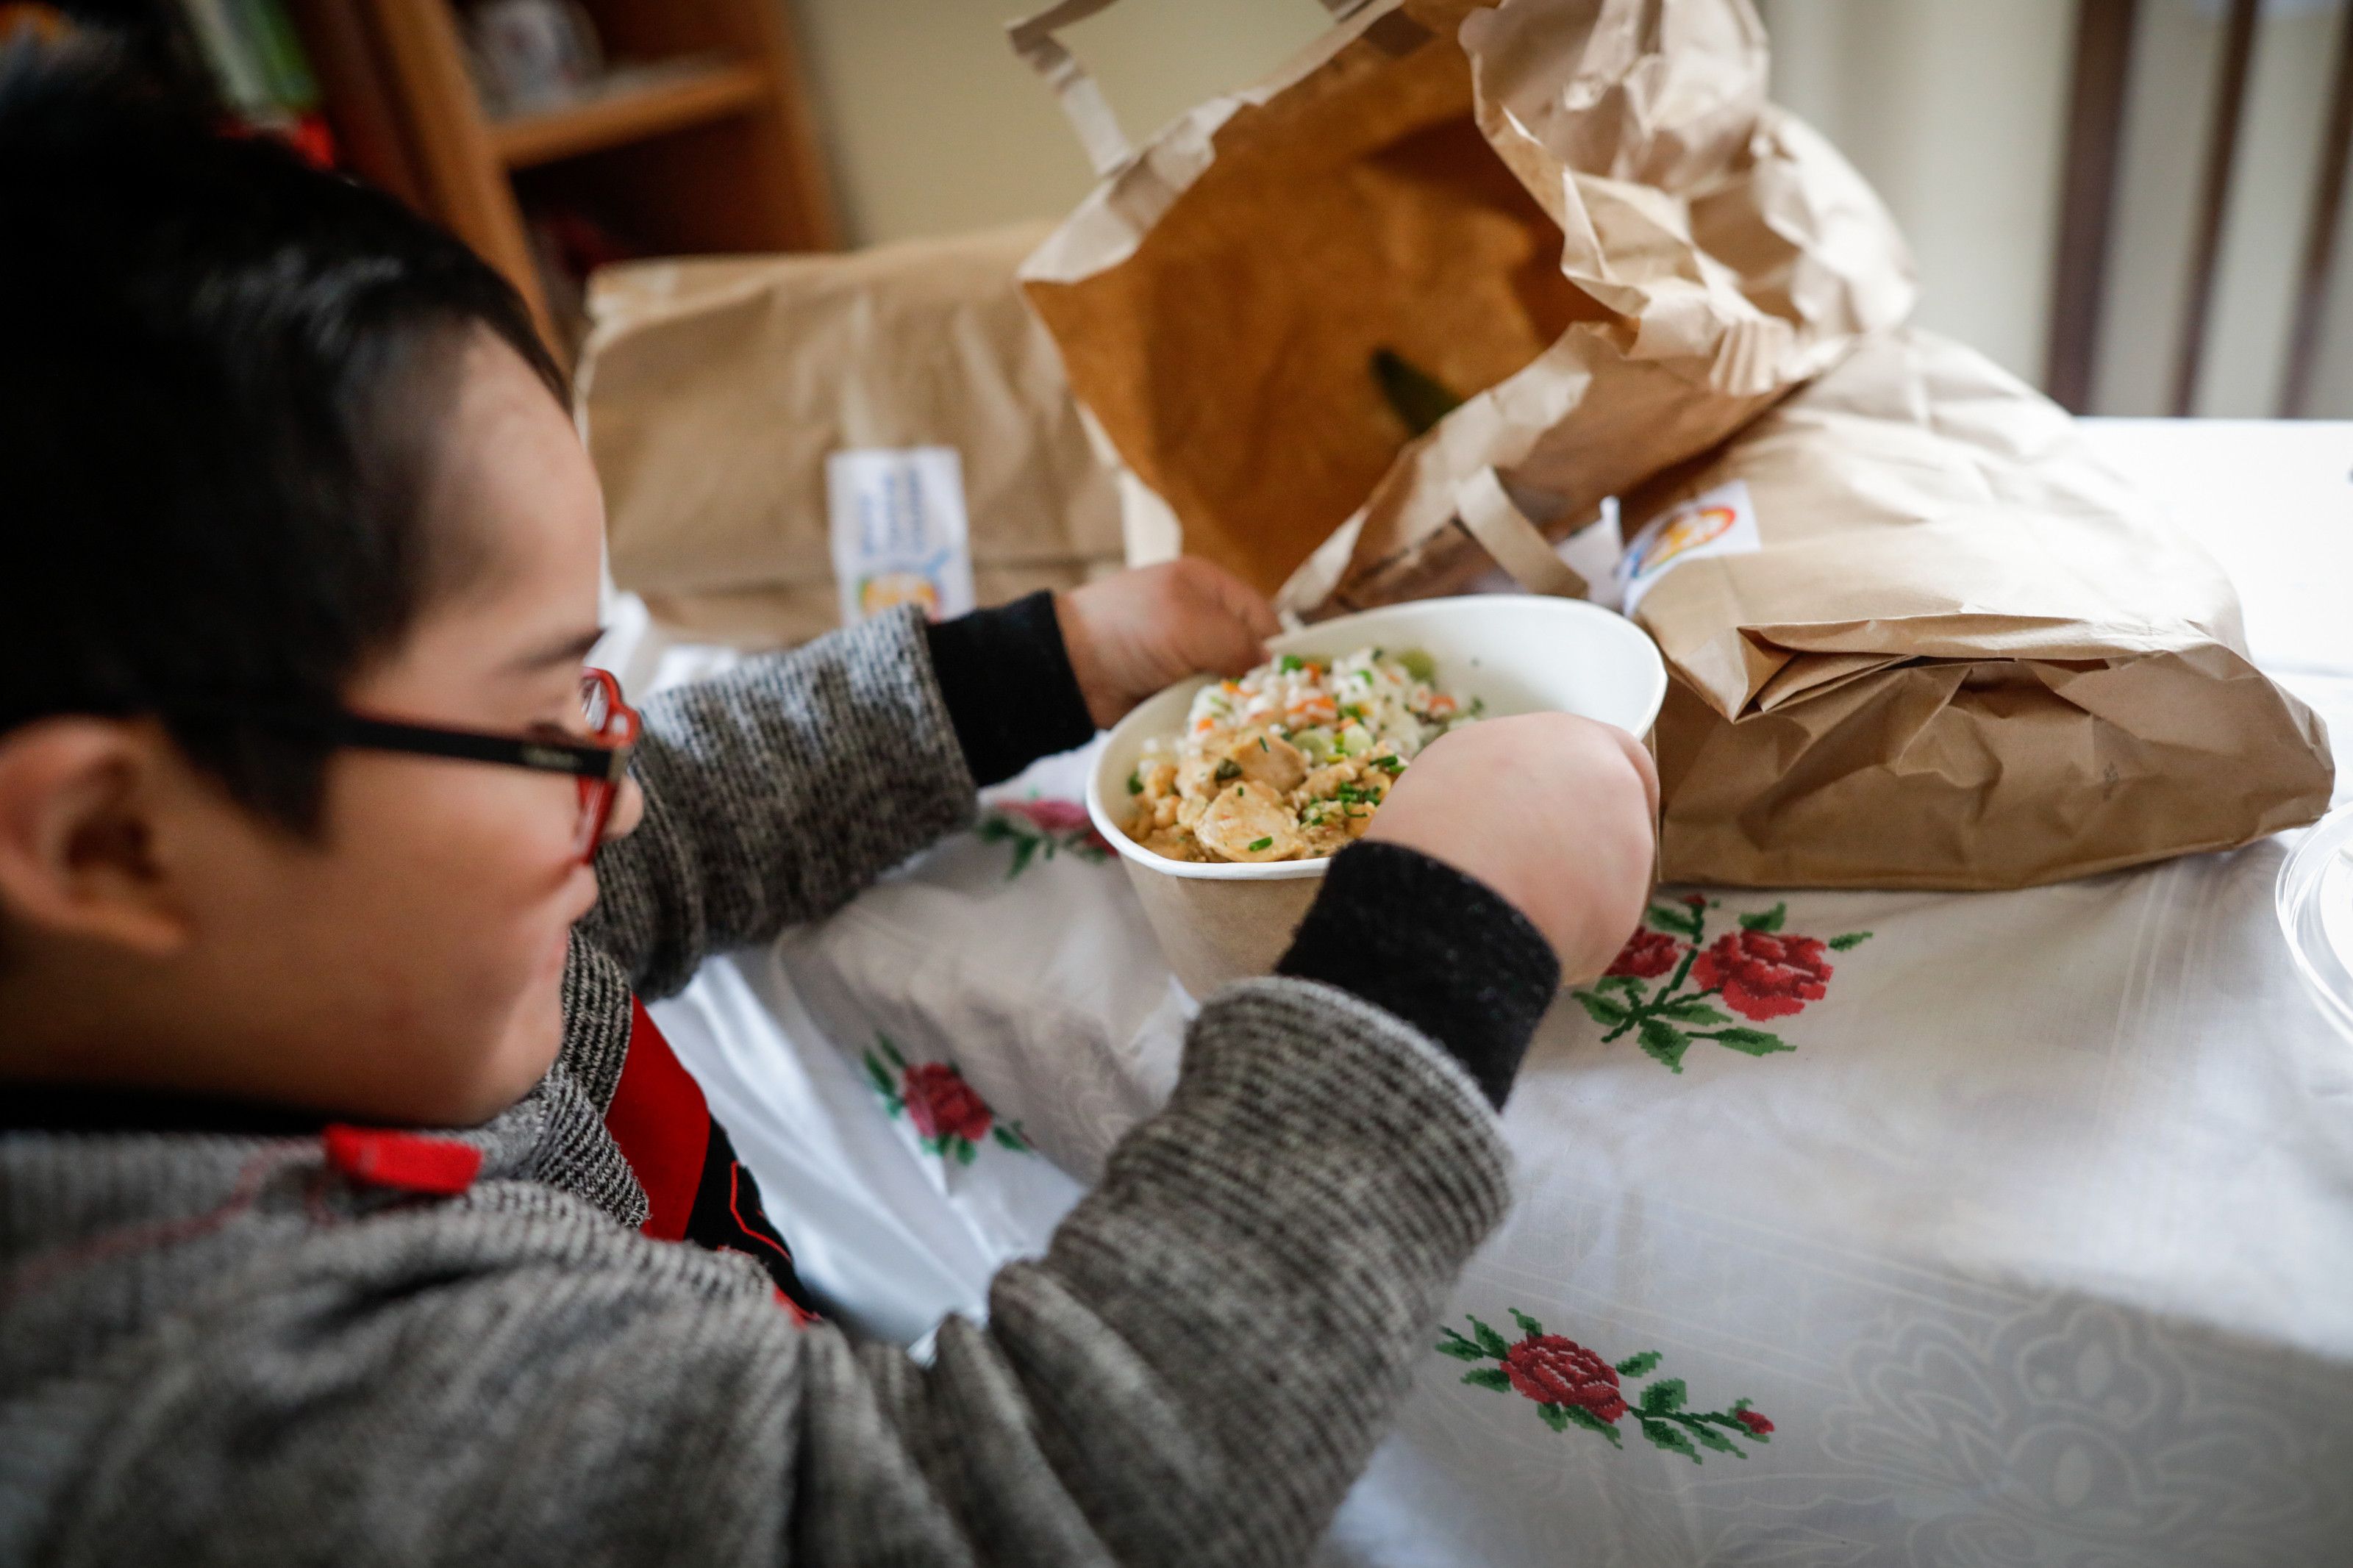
2315 912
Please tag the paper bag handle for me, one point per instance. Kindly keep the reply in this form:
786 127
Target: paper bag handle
1083 104
1490 515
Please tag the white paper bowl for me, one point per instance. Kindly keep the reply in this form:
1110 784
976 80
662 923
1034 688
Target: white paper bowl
1520 654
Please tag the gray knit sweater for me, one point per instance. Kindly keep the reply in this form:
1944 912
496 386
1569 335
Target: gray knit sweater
214 1349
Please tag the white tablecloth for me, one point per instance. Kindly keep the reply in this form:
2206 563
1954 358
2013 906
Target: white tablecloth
2036 1246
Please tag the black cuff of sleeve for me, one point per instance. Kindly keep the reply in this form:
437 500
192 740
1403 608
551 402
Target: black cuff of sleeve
1441 949
1006 677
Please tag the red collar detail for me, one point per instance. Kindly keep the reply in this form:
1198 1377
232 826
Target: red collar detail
404 1162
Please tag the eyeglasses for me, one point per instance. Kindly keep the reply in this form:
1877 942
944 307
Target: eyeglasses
597 766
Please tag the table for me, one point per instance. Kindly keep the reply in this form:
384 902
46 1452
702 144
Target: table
2037 1247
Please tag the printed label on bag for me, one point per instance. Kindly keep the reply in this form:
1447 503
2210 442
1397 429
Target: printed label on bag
1722 521
900 535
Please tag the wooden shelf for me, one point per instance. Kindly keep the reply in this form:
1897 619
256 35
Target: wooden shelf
636 105
708 146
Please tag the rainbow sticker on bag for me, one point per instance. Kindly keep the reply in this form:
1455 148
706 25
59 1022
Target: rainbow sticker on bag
1721 521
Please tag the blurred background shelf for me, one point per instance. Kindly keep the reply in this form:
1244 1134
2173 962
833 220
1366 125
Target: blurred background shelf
699 138
635 103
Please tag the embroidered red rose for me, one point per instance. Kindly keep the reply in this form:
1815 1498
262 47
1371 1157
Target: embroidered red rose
1763 975
941 1105
1552 1370
1754 1421
1055 816
1647 955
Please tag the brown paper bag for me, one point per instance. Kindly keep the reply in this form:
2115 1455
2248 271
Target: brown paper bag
1580 215
1965 655
712 391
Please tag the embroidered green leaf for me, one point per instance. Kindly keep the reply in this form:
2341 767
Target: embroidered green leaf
883 1083
1638 1365
1528 1325
1669 1437
1600 1009
1023 848
1579 1416
1663 1398
964 1151
1458 1347
1751 1042
1770 920
1489 1377
1553 1416
1662 1042
1489 1340
1008 1139
1694 1011
1626 982
1713 1440
1850 942
1681 920
891 1049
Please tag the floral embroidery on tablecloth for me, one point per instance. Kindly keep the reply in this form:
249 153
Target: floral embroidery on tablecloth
1760 971
1039 829
1572 1387
949 1117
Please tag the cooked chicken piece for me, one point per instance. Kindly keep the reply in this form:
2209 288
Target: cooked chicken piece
1248 821
1196 776
1324 780
1189 809
1265 757
1175 842
1158 779
1353 781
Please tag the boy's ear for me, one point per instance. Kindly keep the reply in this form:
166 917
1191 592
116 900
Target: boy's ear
79 798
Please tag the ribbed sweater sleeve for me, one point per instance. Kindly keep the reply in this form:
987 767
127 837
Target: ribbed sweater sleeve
1006 677
1439 949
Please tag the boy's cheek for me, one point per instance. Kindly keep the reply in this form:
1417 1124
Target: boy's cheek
481 889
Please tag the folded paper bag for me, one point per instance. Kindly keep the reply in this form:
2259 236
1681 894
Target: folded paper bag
1962 653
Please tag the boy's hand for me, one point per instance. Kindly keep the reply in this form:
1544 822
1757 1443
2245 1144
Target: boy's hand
1552 811
1131 635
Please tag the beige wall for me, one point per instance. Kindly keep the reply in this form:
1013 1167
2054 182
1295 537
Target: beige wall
1954 109
937 127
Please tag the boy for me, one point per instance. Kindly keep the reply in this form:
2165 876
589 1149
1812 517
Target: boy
348 1202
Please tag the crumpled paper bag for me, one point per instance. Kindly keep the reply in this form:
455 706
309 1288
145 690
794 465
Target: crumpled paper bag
711 392
1965 653
1578 217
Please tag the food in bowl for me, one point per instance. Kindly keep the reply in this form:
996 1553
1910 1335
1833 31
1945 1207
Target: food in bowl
1290 761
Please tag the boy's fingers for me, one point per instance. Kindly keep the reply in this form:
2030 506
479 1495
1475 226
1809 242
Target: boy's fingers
1237 597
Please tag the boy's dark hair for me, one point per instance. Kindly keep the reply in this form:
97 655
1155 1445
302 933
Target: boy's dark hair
213 417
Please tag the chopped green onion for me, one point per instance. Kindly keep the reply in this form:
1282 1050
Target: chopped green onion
1391 766
1136 784
1365 675
1228 769
1291 661
1261 844
1262 742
